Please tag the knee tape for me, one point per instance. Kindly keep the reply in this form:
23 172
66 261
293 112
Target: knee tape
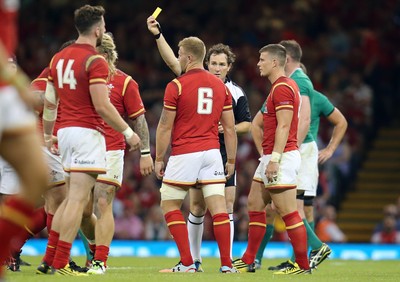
169 192
213 189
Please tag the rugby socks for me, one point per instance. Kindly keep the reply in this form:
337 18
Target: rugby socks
49 221
177 227
61 258
267 237
298 237
102 253
257 224
195 226
51 247
312 225
232 228
312 240
89 253
14 215
222 236
38 223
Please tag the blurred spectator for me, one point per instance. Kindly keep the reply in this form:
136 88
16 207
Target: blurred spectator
389 234
326 229
155 227
130 225
391 211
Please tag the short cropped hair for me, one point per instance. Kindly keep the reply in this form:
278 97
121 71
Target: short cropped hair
195 46
293 49
277 51
87 16
221 49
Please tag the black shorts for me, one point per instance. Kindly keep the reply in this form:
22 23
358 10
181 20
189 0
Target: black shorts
231 181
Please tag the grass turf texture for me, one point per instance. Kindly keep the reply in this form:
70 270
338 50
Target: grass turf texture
146 269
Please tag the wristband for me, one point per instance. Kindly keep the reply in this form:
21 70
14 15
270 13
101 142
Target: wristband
128 133
160 30
275 157
145 153
231 161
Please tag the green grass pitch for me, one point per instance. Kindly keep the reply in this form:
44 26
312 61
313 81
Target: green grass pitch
146 269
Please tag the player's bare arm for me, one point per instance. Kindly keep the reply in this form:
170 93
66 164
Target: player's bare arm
339 122
50 116
257 131
146 161
284 120
109 113
228 123
163 138
163 47
304 119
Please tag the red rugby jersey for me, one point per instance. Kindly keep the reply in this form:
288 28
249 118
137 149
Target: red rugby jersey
199 98
284 95
8 26
125 96
72 71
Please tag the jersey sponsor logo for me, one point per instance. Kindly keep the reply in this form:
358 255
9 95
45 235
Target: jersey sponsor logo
219 173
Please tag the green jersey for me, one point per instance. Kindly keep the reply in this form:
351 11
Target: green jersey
321 107
306 88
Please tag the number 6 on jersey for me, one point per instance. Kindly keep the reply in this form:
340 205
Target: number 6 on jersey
68 77
204 102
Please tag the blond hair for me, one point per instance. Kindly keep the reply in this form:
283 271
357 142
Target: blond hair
107 47
195 46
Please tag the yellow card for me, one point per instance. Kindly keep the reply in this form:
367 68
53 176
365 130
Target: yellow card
157 11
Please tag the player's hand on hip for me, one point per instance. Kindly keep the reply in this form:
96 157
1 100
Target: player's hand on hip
324 155
229 170
134 142
271 172
146 165
159 169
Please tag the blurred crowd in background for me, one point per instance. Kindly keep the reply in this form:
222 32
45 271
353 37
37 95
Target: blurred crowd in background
348 50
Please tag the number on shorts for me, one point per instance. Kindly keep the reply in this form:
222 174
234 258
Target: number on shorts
68 77
204 102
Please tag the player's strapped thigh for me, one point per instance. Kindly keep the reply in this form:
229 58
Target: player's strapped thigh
9 181
56 171
15 116
213 189
82 150
308 172
287 174
172 192
309 201
115 168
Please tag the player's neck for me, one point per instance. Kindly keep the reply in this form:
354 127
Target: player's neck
194 66
290 68
276 75
86 40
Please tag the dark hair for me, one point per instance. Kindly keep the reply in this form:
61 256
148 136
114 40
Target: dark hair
221 49
293 49
66 44
86 16
277 51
